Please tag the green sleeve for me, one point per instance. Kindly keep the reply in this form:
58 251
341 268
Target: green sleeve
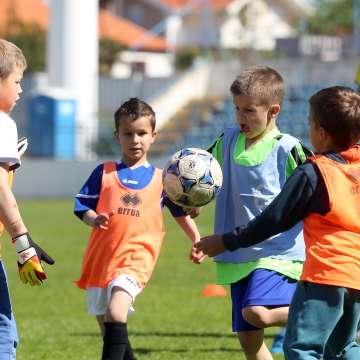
216 149
297 156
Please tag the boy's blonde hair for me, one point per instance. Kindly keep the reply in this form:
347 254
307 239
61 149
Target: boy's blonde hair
337 110
10 57
261 82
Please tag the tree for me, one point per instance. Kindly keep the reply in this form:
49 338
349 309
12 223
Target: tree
332 17
185 57
31 38
109 51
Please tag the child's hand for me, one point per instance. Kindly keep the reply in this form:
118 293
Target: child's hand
196 256
211 245
29 256
102 220
193 212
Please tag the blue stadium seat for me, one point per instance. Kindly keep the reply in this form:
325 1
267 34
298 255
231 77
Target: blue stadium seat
293 119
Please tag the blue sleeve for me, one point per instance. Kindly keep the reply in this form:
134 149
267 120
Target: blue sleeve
88 196
303 193
175 210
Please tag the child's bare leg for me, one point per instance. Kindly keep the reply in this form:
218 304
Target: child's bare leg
252 343
119 305
262 317
116 342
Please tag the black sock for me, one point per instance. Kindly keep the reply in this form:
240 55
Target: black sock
115 341
129 355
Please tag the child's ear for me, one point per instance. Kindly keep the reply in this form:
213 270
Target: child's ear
154 134
275 109
323 133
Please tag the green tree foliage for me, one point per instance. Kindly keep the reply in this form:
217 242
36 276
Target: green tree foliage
31 39
185 57
109 51
332 17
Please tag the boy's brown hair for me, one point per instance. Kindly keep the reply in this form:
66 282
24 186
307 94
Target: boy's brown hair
261 82
10 57
337 110
134 109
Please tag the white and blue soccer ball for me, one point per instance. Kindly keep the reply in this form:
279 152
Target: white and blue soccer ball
192 178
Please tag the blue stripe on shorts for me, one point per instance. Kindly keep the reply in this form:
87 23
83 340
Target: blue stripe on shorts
261 288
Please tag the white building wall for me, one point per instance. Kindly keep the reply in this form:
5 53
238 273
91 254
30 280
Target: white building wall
263 26
157 65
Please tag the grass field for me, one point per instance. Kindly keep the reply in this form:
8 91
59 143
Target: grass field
172 319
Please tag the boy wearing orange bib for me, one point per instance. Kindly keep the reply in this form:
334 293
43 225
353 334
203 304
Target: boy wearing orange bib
123 203
325 193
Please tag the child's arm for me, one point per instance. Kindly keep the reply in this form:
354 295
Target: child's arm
9 211
29 253
193 212
190 229
303 193
98 221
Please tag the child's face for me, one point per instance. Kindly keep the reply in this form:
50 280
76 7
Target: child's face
319 138
135 138
10 90
254 118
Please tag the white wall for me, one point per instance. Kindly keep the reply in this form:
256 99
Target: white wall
54 179
264 25
193 85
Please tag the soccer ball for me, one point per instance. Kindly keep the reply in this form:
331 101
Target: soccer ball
192 177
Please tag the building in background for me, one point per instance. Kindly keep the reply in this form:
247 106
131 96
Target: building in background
152 33
232 24
151 56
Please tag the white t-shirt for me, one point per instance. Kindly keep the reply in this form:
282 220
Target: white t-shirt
8 140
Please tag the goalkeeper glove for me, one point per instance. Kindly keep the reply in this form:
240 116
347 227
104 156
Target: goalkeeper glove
22 145
29 257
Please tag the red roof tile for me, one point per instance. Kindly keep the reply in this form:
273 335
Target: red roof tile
24 10
128 33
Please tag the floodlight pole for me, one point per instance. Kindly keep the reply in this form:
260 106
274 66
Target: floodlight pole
72 63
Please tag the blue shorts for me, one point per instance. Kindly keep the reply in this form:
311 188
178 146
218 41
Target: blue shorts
8 334
260 288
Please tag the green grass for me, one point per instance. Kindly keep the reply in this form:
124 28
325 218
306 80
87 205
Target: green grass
172 319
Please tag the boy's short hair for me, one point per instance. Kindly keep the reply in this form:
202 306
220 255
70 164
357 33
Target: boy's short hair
262 82
10 57
337 110
134 109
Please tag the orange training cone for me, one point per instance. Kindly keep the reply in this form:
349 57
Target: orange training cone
213 290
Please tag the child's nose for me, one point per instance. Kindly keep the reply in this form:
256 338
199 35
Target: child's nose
136 138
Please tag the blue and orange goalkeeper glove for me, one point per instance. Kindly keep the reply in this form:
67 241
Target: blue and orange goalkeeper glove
29 257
